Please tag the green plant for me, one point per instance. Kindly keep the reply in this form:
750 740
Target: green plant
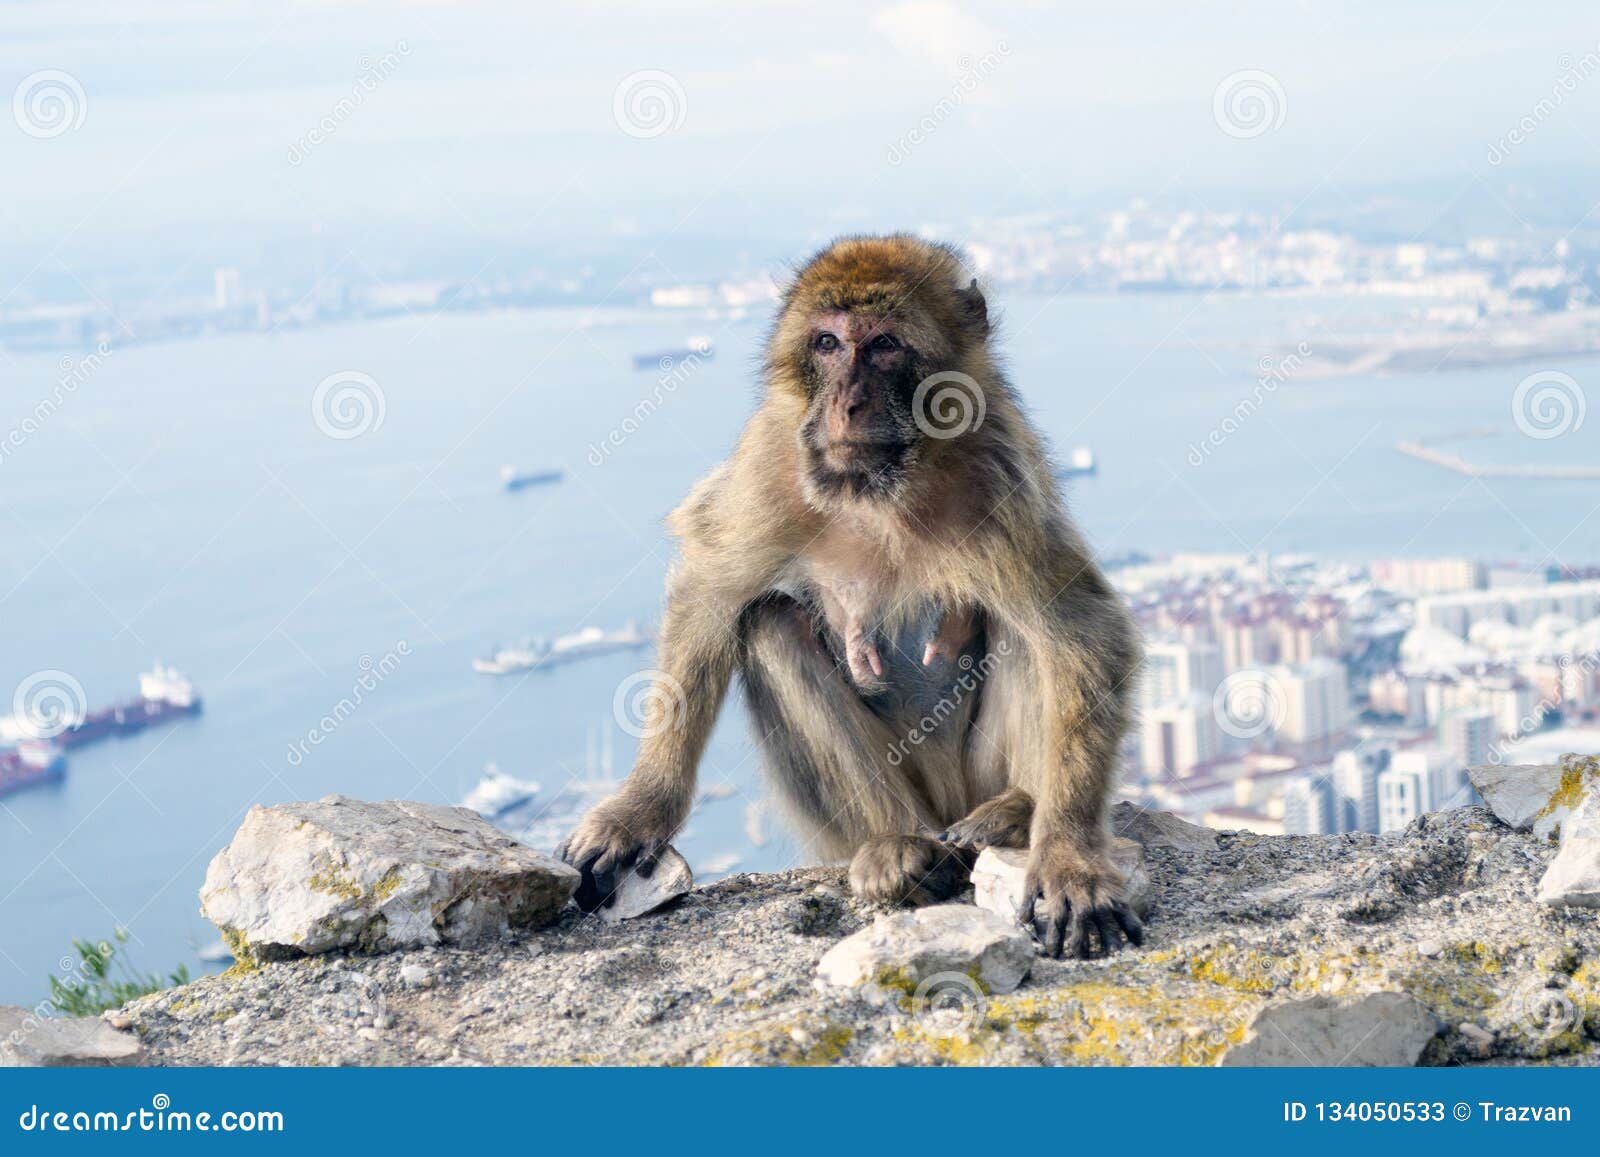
93 987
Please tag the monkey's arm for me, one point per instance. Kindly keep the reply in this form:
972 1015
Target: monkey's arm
697 651
1084 654
724 568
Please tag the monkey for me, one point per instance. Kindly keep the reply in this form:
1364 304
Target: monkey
932 660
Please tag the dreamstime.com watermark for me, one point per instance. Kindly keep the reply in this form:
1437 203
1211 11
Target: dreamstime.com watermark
1548 404
970 75
49 103
649 703
1249 103
158 1117
1572 73
649 103
373 673
348 404
674 372
1273 373
72 373
369 78
971 677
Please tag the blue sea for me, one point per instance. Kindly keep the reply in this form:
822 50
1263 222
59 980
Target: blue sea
185 505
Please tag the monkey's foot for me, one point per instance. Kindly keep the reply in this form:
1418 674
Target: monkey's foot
1002 822
1072 895
604 850
910 870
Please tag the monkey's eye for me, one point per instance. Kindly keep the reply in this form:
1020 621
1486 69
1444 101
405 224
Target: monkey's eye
827 343
885 342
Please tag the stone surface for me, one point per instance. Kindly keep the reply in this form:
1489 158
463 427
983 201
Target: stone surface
1537 797
999 875
1573 878
638 895
305 878
906 948
1379 1029
1155 829
728 974
28 1040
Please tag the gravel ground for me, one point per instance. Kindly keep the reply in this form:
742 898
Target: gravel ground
727 975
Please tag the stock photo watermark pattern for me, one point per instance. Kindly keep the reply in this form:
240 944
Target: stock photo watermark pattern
649 103
49 103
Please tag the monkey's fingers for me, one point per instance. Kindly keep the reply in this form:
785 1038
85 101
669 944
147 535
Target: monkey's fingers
1132 926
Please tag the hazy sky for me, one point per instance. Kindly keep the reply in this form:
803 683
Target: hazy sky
501 115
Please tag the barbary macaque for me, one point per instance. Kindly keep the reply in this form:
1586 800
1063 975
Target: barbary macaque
884 548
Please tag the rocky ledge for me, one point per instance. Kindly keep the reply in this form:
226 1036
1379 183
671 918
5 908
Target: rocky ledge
1442 944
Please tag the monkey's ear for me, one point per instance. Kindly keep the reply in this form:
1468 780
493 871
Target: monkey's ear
974 310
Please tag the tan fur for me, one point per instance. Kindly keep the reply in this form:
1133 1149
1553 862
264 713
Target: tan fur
974 528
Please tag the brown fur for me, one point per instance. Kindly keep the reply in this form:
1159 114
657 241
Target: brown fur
955 546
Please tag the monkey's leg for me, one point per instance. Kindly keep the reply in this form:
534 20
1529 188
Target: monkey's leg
1002 822
846 775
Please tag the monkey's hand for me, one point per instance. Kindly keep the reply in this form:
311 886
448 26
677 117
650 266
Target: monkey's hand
605 847
1002 822
1072 891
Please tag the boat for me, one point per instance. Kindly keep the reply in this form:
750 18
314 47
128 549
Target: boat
164 694
497 793
536 654
697 347
513 479
1080 463
30 762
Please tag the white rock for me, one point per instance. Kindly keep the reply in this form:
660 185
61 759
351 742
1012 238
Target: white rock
28 1040
635 895
1537 797
1573 878
344 873
998 876
1155 829
947 938
415 976
1379 1029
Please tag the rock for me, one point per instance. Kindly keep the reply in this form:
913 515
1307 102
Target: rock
1480 1040
1537 797
1573 878
1155 829
637 895
415 976
28 1040
304 878
904 949
1380 1029
998 876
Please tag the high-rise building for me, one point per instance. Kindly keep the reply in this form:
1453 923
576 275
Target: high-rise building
1174 671
1177 737
1355 783
225 289
1470 734
1418 780
1316 701
1310 807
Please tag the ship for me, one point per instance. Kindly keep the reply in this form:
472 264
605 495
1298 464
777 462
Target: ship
513 479
537 654
26 761
497 793
164 695
1080 463
697 347
30 762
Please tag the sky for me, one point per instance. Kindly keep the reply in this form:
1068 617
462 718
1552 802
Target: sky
808 117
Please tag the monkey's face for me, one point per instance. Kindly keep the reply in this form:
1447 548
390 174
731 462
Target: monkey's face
859 435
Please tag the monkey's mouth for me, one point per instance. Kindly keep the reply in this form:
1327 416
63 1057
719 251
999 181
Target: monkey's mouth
864 453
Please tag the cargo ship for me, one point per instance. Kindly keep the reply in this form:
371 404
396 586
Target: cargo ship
164 694
28 763
535 654
666 359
